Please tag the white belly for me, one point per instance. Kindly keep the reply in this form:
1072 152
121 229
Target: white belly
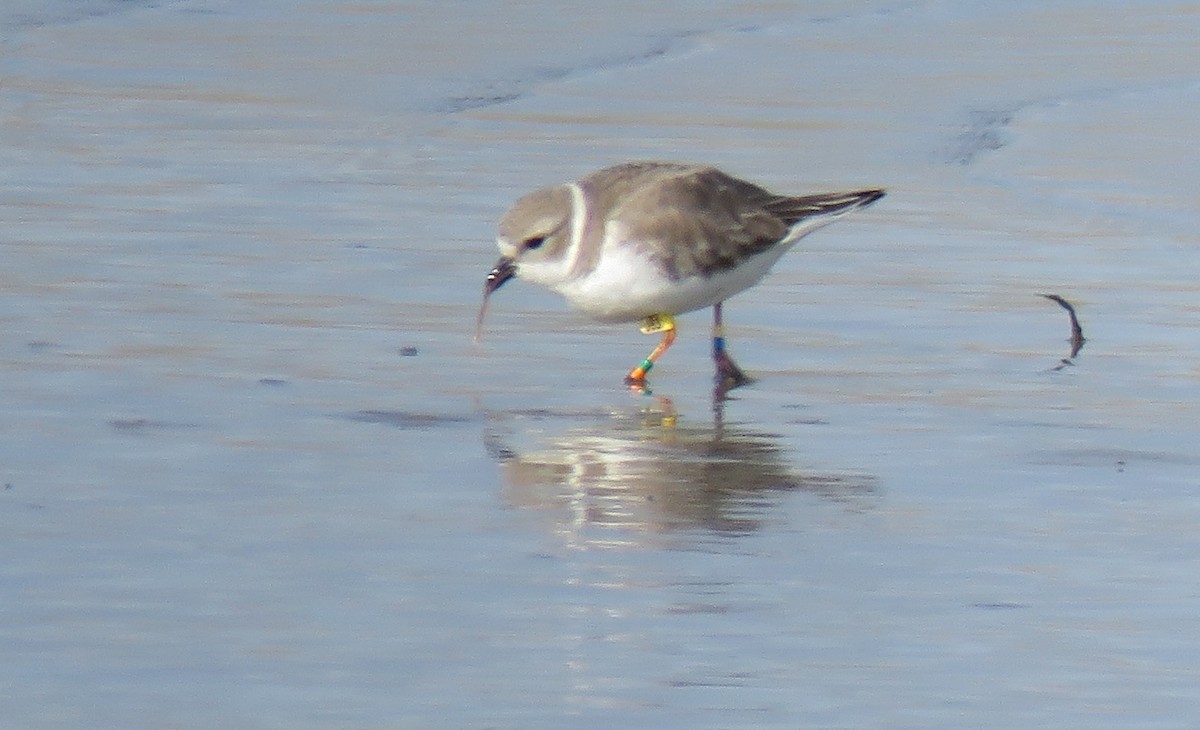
625 287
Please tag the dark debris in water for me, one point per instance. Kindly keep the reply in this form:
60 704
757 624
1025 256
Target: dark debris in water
140 425
999 605
8 487
1077 338
1116 458
407 420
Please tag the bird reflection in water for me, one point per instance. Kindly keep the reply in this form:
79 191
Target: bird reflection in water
610 477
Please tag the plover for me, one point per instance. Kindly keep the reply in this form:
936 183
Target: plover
646 241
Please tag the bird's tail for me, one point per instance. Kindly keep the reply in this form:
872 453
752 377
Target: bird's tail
793 210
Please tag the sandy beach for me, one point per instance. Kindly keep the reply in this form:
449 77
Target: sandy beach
256 474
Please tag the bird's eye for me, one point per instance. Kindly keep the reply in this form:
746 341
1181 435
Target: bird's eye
535 242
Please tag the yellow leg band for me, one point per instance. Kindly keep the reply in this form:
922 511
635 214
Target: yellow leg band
658 323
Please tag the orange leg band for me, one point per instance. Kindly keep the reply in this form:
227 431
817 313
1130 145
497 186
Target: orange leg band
638 374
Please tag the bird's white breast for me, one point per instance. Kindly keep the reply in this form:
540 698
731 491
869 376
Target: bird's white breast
626 286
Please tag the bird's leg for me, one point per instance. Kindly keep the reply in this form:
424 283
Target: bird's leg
664 323
729 375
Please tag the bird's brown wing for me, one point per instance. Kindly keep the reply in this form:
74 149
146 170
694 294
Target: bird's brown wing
700 221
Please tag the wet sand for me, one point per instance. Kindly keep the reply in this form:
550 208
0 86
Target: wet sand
256 474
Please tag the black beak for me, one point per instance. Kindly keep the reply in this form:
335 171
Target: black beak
505 270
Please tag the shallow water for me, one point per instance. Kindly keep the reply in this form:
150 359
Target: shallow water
257 475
